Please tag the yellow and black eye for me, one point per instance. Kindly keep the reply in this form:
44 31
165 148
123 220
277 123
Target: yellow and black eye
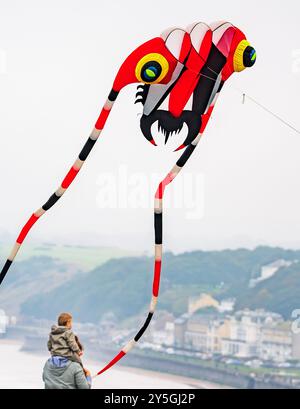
249 56
152 68
244 56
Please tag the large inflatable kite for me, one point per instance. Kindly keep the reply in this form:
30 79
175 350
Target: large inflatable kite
181 74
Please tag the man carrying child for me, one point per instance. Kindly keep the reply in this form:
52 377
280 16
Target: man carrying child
64 370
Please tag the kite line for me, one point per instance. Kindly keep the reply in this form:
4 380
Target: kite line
259 104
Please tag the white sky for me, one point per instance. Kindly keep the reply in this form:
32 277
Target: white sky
57 64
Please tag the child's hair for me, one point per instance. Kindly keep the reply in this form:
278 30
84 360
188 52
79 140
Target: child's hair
64 318
81 347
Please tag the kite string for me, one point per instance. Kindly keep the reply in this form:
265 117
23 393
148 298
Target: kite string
263 107
259 104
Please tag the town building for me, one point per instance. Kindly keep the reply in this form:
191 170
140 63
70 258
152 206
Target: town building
244 334
276 342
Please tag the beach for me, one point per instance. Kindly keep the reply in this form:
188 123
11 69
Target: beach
22 370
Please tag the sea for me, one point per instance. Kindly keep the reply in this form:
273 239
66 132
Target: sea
22 370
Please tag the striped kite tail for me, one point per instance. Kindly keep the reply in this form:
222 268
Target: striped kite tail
71 175
158 229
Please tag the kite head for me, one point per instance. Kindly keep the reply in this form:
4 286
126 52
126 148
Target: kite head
233 44
179 74
151 63
167 69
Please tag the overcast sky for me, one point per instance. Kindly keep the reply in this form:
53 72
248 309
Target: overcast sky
57 63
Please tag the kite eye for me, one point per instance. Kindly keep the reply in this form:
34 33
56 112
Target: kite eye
244 56
249 56
152 69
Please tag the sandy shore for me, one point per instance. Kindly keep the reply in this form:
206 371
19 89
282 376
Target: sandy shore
191 382
23 370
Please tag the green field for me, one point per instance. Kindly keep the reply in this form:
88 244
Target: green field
86 258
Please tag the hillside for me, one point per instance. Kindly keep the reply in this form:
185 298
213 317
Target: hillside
124 286
281 293
39 269
36 275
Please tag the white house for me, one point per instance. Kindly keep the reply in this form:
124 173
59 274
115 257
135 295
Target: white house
244 337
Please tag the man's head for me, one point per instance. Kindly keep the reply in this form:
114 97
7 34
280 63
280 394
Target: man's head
65 320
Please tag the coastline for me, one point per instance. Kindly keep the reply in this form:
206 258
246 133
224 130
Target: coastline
191 382
118 378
